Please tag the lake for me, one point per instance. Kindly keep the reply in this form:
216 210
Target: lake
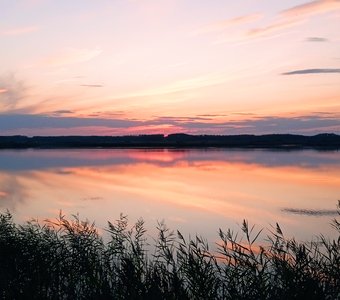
195 191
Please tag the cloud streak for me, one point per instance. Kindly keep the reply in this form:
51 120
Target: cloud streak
295 15
10 122
19 30
311 71
311 212
69 56
63 111
12 91
188 84
92 85
225 24
274 27
316 39
62 125
311 8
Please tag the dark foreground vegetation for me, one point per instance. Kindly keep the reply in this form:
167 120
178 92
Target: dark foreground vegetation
320 141
68 259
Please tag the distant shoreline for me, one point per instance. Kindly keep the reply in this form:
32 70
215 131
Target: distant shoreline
326 141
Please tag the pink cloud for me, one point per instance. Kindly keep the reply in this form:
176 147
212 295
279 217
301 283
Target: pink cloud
19 30
225 24
274 27
311 8
191 83
95 130
155 129
295 15
69 56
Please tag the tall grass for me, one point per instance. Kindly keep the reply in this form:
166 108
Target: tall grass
68 259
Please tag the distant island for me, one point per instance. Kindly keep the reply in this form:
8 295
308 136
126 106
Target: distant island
180 140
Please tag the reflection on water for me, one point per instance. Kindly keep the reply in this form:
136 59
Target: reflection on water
193 190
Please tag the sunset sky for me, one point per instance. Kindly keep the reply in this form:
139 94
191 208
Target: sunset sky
116 67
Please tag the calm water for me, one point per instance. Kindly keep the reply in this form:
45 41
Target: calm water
196 191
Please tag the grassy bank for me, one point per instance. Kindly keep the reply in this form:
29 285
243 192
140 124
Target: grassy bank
68 259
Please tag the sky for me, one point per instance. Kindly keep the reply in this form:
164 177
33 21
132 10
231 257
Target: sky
122 67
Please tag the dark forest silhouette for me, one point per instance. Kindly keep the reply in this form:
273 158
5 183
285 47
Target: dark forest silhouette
325 140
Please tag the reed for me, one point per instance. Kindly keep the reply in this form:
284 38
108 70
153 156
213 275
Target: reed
68 259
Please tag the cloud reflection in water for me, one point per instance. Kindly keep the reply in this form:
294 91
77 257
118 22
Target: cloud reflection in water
196 190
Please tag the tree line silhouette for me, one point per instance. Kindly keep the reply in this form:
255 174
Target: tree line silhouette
323 141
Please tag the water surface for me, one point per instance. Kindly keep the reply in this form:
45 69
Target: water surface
196 191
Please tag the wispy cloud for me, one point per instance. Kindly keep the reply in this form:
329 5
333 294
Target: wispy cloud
212 115
192 83
310 124
273 27
316 39
167 119
63 111
19 30
68 56
92 85
225 24
311 71
296 15
310 212
9 122
311 8
60 125
12 91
